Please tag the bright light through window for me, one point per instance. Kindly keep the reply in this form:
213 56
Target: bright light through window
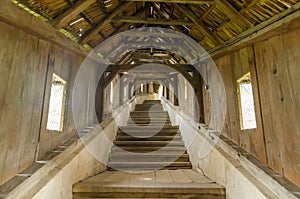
57 104
246 102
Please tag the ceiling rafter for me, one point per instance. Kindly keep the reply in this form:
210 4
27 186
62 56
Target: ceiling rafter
176 1
207 32
156 21
126 26
60 21
211 8
103 22
236 16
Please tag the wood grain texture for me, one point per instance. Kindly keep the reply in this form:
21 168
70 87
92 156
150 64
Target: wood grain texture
23 67
21 94
277 66
273 65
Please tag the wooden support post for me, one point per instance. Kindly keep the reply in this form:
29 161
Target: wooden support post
175 85
129 90
145 88
121 90
199 96
168 90
99 99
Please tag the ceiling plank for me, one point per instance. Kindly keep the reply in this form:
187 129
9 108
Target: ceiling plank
60 21
236 16
177 1
152 21
208 33
106 20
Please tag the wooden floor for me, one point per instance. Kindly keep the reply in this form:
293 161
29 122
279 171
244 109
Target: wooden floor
181 183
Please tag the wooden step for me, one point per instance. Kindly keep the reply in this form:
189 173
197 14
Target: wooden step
148 134
147 114
152 102
148 143
144 149
181 183
149 128
149 165
137 106
146 157
148 119
155 123
152 138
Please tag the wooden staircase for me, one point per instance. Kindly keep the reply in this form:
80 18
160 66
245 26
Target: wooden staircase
149 141
154 153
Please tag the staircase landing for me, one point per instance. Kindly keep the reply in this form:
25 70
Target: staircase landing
181 183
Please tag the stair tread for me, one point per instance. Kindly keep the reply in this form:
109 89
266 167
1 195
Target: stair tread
149 155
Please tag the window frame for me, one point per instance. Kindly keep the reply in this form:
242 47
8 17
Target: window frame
245 78
56 77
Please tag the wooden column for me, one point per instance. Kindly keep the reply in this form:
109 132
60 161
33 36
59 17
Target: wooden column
151 88
99 97
175 85
130 90
121 90
145 90
168 90
199 96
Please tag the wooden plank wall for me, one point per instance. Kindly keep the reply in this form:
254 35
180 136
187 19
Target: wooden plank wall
66 65
278 61
274 67
23 74
22 71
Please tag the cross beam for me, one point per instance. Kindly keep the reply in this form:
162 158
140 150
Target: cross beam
152 21
177 1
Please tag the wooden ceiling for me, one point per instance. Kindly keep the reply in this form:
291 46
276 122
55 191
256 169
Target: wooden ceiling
209 22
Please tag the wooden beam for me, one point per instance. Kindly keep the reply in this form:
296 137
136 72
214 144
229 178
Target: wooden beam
208 33
114 70
235 15
106 20
177 1
127 67
60 21
110 77
186 75
152 21
211 8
